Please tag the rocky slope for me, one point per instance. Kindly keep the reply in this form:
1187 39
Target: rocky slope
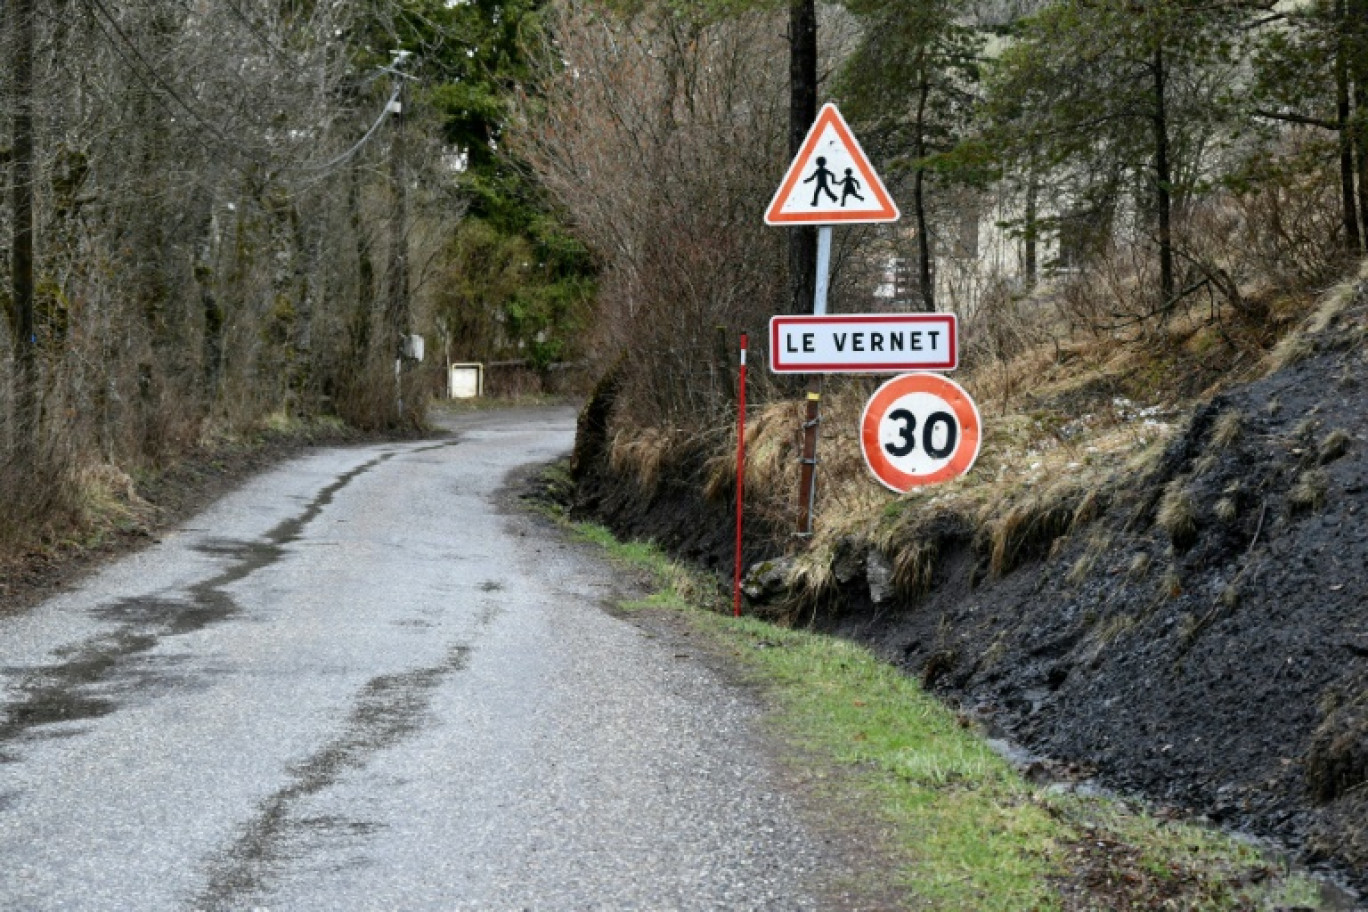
1196 633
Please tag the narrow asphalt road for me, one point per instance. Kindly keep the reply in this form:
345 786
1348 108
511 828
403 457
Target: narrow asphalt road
357 683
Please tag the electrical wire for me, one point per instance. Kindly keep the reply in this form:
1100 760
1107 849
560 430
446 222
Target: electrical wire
375 127
151 70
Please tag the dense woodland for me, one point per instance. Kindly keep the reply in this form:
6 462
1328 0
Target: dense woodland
1062 168
224 211
230 212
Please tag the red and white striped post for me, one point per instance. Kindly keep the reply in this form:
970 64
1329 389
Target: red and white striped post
740 474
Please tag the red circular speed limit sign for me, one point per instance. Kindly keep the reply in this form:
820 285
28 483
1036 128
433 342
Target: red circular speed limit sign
920 429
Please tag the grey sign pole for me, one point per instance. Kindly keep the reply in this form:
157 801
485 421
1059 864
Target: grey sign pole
807 480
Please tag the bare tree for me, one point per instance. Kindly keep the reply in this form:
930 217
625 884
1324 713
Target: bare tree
661 136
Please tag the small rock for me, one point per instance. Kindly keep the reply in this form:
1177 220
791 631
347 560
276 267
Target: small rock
849 560
879 573
767 579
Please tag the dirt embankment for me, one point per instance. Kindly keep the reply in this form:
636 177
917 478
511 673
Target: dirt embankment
1197 634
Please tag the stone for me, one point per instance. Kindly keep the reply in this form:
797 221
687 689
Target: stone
879 573
767 580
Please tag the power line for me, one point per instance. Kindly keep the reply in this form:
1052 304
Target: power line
151 70
328 165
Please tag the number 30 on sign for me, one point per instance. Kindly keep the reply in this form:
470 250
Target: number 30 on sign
920 429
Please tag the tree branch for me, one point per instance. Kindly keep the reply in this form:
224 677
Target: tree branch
1290 117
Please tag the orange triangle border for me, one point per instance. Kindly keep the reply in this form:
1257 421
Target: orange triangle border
887 210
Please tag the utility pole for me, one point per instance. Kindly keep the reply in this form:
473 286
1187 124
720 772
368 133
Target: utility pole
397 303
21 254
803 255
802 242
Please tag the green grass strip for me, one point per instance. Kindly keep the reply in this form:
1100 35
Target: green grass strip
971 835
967 833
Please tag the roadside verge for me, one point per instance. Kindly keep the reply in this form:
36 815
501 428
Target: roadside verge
956 825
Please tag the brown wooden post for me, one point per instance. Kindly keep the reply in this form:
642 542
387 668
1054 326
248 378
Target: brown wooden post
807 483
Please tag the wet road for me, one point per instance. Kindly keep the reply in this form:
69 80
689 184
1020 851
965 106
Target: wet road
357 683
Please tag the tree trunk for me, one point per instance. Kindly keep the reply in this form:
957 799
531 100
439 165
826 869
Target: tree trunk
21 254
925 278
211 344
363 313
1032 192
1352 240
1357 117
802 242
926 285
1163 180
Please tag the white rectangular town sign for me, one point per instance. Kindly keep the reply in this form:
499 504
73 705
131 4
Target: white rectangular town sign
863 343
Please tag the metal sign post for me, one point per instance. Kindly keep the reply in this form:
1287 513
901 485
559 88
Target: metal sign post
740 475
829 182
819 300
812 422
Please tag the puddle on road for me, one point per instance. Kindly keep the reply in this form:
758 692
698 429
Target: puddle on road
47 705
291 529
444 445
90 677
387 710
62 692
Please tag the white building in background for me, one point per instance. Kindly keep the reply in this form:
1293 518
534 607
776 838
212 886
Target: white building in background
976 250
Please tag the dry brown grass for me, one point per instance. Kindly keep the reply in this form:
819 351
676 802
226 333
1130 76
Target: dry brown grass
1042 472
1226 510
1177 515
640 454
1031 526
812 580
109 497
1070 424
1297 345
1227 429
1171 584
1310 493
1335 445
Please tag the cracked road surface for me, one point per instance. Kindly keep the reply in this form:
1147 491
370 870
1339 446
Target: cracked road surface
356 683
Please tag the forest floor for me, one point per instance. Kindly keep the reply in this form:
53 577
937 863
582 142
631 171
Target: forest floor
1193 633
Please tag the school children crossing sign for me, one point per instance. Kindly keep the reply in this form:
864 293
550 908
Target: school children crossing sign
830 181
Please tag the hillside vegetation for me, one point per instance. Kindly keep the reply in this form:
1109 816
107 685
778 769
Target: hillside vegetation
1154 576
225 218
1149 218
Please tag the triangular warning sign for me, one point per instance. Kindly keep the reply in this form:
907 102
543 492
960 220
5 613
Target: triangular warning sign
830 180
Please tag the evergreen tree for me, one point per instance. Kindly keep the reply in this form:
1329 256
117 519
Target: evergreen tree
471 59
911 86
1311 70
1118 102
